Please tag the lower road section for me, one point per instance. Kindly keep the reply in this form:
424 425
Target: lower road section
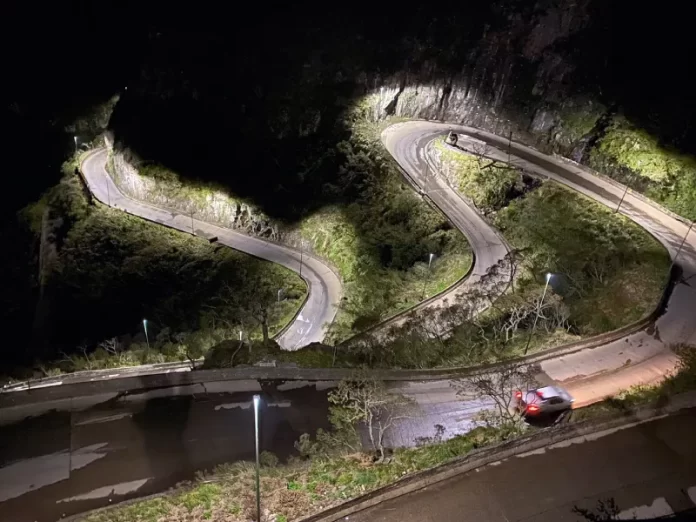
66 462
649 470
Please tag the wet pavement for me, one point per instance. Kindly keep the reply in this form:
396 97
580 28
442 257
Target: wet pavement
649 470
65 462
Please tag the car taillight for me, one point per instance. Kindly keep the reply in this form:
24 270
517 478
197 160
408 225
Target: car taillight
518 395
539 394
532 408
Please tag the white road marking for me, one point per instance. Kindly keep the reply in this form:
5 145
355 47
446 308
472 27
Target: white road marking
100 420
659 508
692 493
107 491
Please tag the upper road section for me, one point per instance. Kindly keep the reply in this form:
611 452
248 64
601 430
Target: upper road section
324 285
408 143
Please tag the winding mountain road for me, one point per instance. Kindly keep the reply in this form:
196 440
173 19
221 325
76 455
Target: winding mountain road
324 285
66 462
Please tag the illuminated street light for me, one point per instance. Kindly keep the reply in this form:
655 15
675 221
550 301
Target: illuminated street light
75 139
301 254
257 399
536 318
147 340
425 278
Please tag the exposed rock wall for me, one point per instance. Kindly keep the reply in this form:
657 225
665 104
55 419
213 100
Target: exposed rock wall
514 80
213 206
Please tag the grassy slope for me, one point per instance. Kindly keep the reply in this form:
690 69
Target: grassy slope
290 491
381 240
378 233
633 156
113 269
566 233
299 488
563 232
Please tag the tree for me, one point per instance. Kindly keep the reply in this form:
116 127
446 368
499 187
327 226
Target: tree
257 304
498 385
366 400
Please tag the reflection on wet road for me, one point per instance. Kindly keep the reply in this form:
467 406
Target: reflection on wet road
65 462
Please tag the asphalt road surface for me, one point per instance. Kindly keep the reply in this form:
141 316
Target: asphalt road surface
122 453
66 462
324 285
649 470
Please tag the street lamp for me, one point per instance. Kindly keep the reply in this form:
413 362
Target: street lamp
301 251
147 340
75 139
425 278
280 291
674 259
536 318
257 399
621 200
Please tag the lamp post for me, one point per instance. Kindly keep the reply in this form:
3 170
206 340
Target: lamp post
301 250
622 199
536 318
193 230
425 278
280 291
257 399
147 340
75 140
674 260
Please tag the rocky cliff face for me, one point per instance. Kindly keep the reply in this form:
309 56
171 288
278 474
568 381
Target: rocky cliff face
553 72
514 80
163 188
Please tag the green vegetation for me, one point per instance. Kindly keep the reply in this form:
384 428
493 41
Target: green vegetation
378 233
293 490
488 184
611 271
382 239
109 270
633 156
575 121
332 469
607 271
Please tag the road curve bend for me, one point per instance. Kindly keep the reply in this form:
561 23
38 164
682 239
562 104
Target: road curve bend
325 289
408 145
643 357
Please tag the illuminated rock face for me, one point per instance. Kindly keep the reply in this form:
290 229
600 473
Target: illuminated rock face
169 191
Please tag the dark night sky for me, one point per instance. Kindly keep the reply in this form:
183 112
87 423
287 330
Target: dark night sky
64 56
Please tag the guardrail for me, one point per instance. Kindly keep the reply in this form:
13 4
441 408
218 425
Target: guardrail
145 376
132 384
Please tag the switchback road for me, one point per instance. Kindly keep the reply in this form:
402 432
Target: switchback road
323 284
590 374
